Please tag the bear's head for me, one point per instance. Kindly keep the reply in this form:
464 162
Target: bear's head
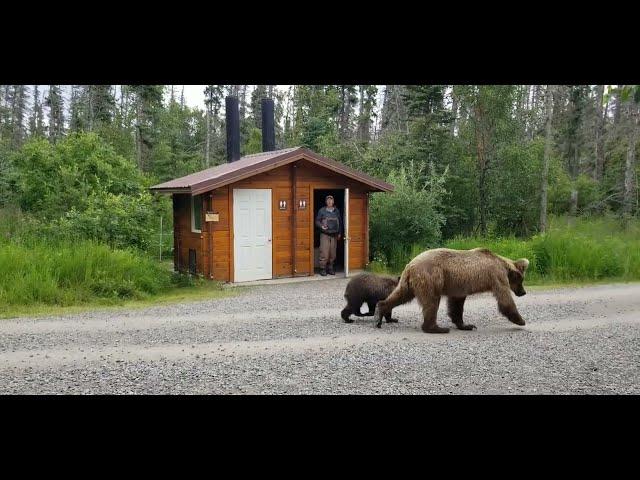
516 276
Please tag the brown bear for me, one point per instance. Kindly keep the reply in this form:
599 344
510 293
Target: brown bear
367 288
456 274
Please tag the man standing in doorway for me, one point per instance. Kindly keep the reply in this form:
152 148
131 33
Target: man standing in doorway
329 222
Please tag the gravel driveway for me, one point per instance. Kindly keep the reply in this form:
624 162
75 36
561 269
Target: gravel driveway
289 339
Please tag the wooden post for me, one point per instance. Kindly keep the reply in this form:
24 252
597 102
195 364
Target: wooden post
366 229
176 235
210 230
294 215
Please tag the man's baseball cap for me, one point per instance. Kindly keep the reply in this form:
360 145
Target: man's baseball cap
329 197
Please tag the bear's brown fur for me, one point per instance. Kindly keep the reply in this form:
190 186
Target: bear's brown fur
367 288
456 274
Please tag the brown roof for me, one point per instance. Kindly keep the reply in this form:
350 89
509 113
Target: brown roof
250 165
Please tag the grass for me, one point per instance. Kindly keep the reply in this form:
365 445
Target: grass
577 251
38 278
205 291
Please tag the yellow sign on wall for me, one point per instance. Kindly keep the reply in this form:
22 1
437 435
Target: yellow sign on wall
212 217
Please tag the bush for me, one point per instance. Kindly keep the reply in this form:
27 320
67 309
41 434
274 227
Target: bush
51 179
117 220
82 189
407 216
515 188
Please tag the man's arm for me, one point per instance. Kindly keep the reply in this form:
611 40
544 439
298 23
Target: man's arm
319 218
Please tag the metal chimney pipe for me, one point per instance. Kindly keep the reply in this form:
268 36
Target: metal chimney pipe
233 128
268 126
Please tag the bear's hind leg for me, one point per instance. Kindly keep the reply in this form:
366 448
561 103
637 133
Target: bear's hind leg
455 308
346 312
430 303
400 295
390 319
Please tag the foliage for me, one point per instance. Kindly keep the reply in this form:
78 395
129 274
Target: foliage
578 250
408 215
51 179
80 188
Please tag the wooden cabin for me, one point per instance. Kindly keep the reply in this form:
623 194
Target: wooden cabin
253 218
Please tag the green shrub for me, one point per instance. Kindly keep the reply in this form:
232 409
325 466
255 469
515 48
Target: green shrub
407 216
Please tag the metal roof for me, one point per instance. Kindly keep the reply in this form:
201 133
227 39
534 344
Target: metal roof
251 165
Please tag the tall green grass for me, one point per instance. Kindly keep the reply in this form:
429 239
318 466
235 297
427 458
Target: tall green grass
74 274
577 250
42 268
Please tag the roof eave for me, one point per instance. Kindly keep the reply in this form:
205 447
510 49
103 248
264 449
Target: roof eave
169 191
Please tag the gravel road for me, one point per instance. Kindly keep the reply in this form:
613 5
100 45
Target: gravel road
289 339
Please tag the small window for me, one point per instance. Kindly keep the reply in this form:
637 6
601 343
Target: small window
196 213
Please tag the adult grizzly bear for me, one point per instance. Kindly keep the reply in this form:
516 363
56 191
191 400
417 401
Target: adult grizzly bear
370 289
456 274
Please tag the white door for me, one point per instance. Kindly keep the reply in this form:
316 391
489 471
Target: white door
345 220
252 245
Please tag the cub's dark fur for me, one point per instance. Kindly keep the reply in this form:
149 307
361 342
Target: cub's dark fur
370 289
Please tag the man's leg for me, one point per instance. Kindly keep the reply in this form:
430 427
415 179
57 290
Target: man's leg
332 254
324 253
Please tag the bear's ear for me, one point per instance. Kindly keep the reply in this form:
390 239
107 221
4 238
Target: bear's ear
522 264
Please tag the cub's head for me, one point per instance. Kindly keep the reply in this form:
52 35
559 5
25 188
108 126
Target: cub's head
516 276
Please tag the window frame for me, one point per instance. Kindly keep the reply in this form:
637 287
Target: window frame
193 214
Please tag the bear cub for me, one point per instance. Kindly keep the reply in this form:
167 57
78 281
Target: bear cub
370 289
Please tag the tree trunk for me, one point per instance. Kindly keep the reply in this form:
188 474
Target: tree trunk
18 115
481 150
122 107
454 111
630 166
91 110
207 146
363 123
345 112
617 108
138 132
243 101
547 154
573 204
599 135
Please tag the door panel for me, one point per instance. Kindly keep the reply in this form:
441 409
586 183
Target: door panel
357 233
252 234
347 232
